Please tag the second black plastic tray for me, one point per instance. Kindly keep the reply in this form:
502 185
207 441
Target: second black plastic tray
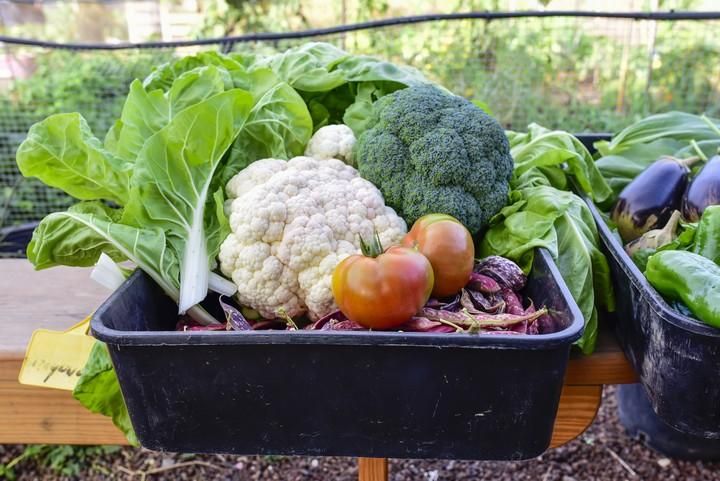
376 394
676 357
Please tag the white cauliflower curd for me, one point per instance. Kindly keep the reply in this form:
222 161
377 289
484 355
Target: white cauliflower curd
291 223
332 142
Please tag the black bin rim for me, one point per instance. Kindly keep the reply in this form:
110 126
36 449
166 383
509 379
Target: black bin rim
349 338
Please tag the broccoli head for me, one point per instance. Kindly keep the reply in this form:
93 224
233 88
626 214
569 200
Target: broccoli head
429 151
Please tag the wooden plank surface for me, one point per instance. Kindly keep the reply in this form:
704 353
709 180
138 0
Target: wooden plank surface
577 410
53 298
47 416
372 469
607 365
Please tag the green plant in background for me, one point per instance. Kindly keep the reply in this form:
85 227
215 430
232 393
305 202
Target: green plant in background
233 17
563 73
62 460
94 84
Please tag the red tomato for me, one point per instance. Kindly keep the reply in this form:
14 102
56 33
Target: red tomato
448 246
385 291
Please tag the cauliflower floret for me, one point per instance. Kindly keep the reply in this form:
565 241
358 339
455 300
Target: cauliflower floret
289 231
332 142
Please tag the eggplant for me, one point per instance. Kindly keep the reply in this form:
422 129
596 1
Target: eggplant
703 190
649 200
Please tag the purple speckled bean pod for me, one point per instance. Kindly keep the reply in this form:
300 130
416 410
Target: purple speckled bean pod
493 304
346 325
513 305
504 271
546 324
336 315
447 304
423 324
235 320
481 320
467 302
482 283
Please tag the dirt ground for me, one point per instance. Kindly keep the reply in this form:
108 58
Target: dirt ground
603 452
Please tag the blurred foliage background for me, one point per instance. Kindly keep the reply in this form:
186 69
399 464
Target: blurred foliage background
577 74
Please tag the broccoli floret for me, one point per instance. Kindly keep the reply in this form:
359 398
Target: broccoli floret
429 151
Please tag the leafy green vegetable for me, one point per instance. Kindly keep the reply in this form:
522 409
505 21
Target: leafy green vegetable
170 186
173 183
543 216
542 213
338 87
79 235
62 152
162 167
99 391
278 126
674 125
676 134
164 76
559 154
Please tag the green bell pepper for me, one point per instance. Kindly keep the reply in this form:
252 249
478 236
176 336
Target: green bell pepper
707 235
689 277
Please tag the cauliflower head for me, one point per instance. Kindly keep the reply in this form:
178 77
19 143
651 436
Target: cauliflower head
332 142
291 223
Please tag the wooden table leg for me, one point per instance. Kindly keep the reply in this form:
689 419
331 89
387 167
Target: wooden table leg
372 469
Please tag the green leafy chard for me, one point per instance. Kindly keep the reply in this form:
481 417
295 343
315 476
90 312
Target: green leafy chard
62 152
173 182
99 391
556 154
543 216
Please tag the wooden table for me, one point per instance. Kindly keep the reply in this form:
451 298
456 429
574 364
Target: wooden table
57 298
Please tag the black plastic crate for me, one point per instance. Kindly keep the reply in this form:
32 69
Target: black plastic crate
382 394
676 357
642 424
14 239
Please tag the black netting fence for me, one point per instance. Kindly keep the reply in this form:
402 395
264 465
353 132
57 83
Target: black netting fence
578 73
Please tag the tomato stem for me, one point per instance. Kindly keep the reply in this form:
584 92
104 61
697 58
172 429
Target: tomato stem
373 248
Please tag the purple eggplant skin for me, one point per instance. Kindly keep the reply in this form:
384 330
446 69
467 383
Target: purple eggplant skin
649 200
703 191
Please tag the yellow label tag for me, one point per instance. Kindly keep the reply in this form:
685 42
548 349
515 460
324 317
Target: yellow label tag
56 359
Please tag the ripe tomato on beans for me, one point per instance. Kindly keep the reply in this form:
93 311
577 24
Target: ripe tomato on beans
382 289
448 246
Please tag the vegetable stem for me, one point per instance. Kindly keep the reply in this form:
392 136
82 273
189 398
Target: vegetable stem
697 149
373 248
451 324
282 314
710 124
